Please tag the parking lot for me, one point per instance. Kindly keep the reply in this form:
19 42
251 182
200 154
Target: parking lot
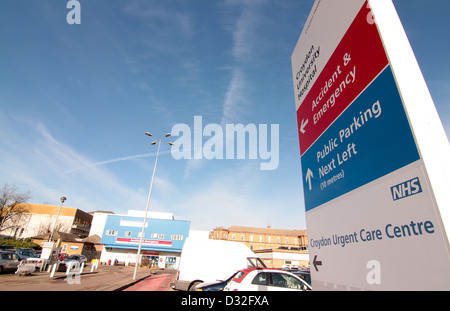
104 278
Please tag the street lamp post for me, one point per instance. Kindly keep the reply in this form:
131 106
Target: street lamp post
148 199
63 199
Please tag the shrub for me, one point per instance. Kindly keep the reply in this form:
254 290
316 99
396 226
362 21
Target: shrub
20 243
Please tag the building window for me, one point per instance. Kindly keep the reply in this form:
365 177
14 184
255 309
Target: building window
260 238
278 240
242 237
233 237
287 240
20 232
251 238
269 239
111 232
177 237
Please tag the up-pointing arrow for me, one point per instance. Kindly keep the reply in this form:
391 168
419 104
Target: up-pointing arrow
309 176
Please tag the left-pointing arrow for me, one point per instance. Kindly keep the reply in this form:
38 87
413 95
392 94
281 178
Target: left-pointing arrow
302 127
316 263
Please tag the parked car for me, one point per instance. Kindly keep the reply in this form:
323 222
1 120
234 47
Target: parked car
7 248
305 275
214 286
266 279
72 258
205 260
26 253
8 261
63 256
79 258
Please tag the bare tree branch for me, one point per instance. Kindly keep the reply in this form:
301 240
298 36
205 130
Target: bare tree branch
12 205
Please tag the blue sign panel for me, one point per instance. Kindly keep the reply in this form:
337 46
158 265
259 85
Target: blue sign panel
160 234
370 139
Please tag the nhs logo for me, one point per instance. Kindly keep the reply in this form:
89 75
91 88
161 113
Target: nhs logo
406 189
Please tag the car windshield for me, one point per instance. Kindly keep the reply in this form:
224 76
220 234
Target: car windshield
8 256
255 262
288 281
278 280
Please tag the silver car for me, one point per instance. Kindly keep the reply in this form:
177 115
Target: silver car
25 253
8 261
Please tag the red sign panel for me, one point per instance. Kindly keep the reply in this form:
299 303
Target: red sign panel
356 62
144 241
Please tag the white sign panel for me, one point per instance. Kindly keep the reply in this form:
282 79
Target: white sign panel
374 186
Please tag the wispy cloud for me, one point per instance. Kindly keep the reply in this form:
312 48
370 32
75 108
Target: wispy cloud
242 27
244 32
39 162
127 158
235 97
162 21
232 199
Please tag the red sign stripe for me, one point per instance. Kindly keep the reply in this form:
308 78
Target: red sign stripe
358 59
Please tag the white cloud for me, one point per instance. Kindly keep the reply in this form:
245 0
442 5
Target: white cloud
235 98
127 158
217 204
230 196
244 33
38 162
243 40
223 203
244 29
161 19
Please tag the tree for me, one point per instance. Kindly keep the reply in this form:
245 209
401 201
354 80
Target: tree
46 227
12 206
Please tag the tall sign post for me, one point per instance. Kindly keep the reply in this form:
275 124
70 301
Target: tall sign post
374 154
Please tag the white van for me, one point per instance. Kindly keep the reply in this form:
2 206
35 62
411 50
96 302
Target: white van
205 260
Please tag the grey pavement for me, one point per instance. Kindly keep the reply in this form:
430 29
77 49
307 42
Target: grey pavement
104 278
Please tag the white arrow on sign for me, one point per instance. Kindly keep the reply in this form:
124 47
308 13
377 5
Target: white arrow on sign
302 127
309 175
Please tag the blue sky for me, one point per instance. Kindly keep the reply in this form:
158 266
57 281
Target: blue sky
76 100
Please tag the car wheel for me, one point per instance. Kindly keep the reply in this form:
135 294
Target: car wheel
192 287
